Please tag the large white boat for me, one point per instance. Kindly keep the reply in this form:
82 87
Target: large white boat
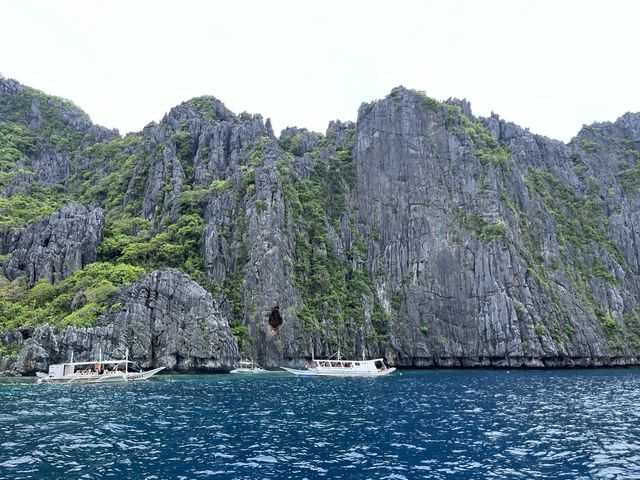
102 371
248 366
344 368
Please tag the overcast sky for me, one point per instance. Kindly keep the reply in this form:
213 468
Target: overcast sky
551 66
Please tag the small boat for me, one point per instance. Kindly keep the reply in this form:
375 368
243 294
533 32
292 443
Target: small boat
344 368
102 371
248 366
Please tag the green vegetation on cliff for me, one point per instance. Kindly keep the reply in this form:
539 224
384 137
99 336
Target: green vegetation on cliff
77 300
17 143
332 289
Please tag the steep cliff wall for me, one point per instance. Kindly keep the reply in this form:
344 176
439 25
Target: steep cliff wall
420 233
494 253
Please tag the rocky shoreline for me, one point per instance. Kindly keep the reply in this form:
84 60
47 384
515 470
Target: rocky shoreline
441 364
166 319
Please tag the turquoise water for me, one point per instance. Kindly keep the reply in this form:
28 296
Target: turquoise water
432 424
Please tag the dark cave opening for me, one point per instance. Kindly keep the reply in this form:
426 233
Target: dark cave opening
275 319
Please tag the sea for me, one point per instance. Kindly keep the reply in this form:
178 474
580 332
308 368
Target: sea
436 424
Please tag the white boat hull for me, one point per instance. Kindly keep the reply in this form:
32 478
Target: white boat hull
313 372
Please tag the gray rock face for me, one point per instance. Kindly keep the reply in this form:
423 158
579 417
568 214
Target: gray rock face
209 144
427 196
469 241
32 358
246 236
51 167
56 246
414 178
424 200
199 144
50 119
165 320
270 293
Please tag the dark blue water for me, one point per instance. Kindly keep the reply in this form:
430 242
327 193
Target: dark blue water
439 425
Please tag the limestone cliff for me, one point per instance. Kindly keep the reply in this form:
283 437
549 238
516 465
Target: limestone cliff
55 247
503 253
420 233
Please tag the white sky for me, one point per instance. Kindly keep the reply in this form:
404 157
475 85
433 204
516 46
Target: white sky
551 66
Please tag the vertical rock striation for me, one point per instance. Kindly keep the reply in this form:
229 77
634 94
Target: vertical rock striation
483 263
55 247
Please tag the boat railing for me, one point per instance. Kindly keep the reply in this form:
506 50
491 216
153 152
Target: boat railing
348 365
340 364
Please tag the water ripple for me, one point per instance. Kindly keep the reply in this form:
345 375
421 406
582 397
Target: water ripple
439 425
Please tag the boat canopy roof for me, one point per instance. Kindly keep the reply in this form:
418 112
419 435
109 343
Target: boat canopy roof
344 360
101 362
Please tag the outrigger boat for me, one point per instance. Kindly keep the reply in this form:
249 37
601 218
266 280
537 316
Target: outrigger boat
102 371
343 368
248 366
